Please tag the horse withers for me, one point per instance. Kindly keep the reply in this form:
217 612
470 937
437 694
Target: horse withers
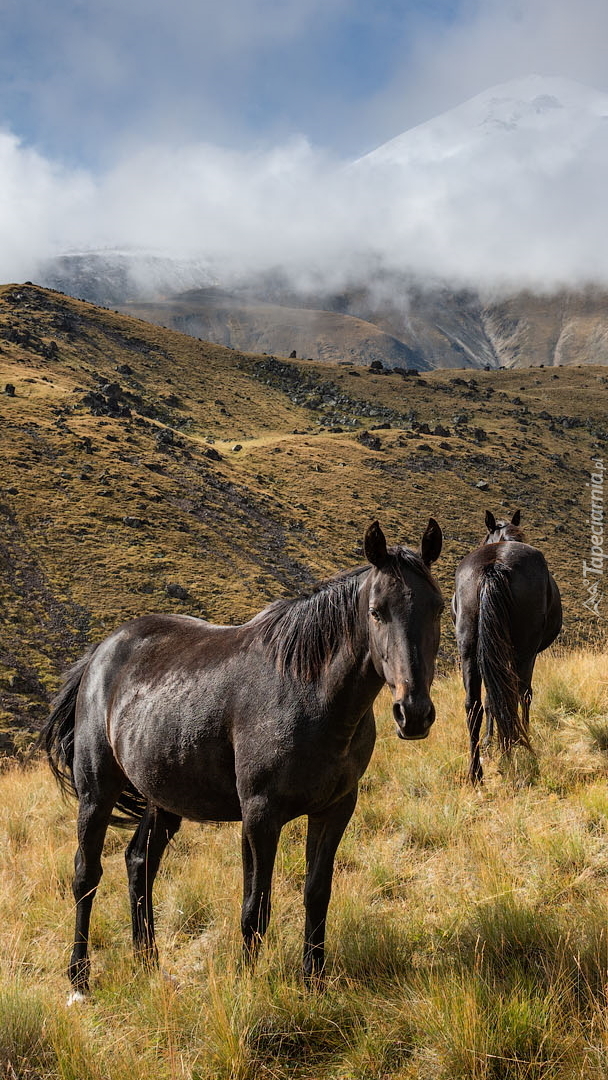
172 717
506 609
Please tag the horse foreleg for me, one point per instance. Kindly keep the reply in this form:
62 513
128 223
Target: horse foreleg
324 834
142 857
259 846
93 820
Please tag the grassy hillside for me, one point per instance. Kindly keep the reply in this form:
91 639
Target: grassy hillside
122 491
467 931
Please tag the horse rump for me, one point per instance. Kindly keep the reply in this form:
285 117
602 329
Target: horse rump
56 739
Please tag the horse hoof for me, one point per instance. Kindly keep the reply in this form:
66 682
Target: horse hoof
77 997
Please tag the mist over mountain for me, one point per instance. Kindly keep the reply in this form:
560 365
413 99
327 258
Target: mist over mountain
423 239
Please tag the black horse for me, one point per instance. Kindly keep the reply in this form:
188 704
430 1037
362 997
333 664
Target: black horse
507 609
171 717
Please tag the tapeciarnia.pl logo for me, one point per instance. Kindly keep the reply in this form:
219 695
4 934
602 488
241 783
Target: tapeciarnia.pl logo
593 567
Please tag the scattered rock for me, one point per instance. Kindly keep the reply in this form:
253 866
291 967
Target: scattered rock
482 485
367 439
237 446
9 390
166 438
212 453
405 372
177 592
133 522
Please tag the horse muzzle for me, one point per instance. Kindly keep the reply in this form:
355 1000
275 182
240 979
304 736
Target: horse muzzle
413 721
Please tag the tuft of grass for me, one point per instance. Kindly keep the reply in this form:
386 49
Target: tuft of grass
597 729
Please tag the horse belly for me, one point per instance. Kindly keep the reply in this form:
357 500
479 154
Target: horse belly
178 762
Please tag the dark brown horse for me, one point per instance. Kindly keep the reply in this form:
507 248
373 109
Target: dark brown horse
171 717
507 609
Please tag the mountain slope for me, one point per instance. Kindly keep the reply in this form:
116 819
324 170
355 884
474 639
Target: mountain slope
262 327
123 489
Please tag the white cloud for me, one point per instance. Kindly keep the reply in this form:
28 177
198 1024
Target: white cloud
499 192
40 204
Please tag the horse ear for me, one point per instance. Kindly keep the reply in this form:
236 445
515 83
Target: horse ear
430 546
515 520
374 545
490 521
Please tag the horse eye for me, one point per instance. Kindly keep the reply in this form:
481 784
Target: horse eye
375 614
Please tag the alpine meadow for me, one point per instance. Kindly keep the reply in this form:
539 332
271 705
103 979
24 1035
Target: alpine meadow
149 472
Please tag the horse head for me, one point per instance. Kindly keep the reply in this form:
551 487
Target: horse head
404 609
503 530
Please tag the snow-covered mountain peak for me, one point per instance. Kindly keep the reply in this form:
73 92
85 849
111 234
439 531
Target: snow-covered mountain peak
547 107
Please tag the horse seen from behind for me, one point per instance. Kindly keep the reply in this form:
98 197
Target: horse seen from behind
172 717
506 608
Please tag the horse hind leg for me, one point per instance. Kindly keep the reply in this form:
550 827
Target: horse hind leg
143 856
525 670
474 710
526 703
93 820
486 743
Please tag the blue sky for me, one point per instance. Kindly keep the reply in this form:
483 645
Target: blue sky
223 126
85 81
80 79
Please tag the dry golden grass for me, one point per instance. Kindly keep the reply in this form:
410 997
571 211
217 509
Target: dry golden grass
467 935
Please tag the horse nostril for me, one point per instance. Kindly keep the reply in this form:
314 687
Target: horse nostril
399 713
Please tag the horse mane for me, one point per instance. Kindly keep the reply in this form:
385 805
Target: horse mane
305 633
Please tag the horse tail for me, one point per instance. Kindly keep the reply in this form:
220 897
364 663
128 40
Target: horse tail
57 740
496 655
57 735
